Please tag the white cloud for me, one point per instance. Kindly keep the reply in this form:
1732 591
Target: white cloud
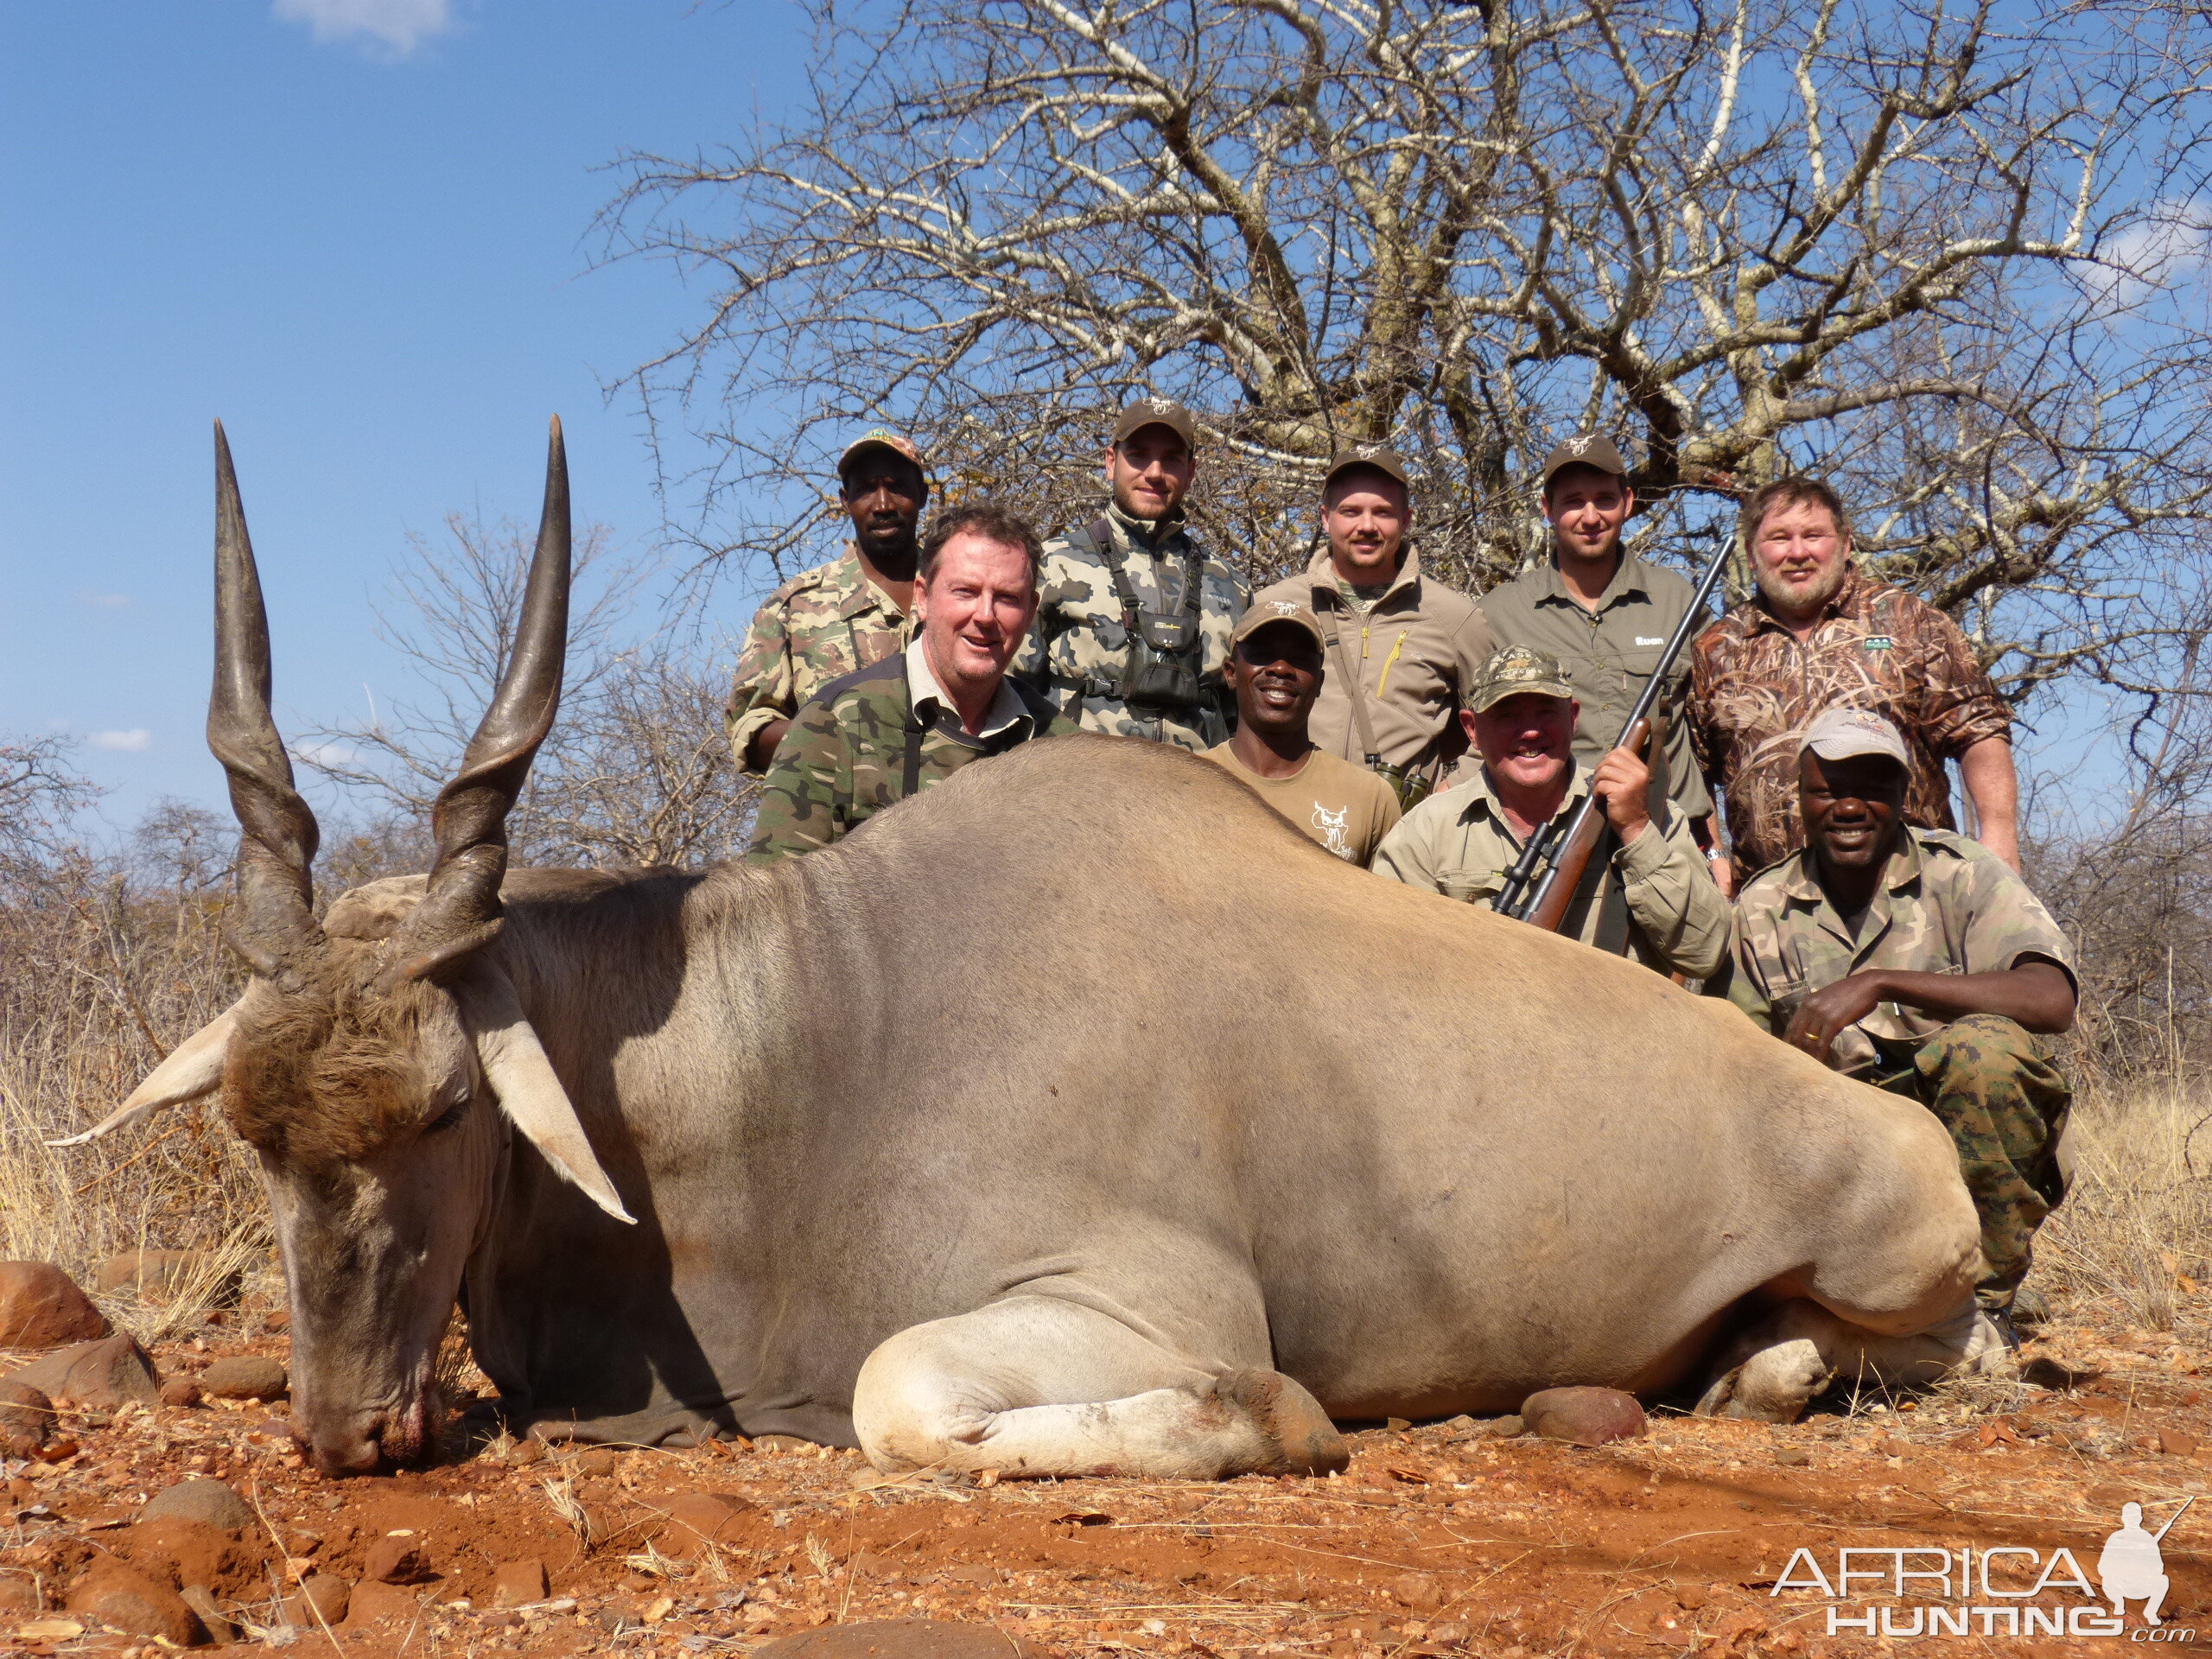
137 741
399 25
324 752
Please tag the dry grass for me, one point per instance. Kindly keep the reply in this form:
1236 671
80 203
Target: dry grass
2134 1235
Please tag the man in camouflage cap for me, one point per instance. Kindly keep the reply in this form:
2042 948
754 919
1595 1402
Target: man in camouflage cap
1651 896
839 616
1133 629
1915 958
869 739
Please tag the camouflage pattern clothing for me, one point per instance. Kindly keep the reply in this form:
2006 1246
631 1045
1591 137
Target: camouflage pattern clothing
1610 654
822 623
1994 1088
1945 904
1078 650
846 757
1754 688
1651 898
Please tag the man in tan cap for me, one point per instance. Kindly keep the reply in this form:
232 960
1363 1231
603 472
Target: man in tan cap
1403 649
1134 627
840 616
1606 615
1917 959
1645 891
1275 672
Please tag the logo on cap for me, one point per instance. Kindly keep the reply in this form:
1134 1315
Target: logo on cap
1161 405
1577 446
1367 451
1285 607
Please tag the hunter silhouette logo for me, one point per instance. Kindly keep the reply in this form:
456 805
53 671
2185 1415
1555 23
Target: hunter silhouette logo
2132 1567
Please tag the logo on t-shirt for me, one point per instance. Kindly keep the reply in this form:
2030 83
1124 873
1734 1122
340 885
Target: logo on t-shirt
1332 825
1641 640
1879 642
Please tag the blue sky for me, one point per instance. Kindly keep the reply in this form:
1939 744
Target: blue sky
358 230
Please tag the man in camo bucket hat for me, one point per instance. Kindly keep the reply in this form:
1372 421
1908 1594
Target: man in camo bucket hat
1645 892
1917 959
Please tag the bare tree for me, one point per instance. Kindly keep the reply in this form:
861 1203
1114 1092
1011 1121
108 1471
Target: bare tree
638 769
1927 250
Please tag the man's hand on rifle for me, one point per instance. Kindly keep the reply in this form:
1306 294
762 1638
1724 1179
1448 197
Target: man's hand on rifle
1622 785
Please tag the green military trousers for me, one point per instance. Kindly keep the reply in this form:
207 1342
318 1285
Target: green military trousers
1996 1090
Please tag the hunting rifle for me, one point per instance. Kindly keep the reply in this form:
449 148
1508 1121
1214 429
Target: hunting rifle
1568 852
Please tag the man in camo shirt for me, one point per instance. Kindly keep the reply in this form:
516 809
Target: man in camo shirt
1135 618
839 616
1917 959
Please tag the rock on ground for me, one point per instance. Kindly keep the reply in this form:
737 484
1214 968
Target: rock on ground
162 1276
395 1560
319 1593
696 1519
102 1375
517 1584
244 1377
26 1420
127 1599
183 1552
375 1603
40 1306
1583 1417
208 1500
900 1638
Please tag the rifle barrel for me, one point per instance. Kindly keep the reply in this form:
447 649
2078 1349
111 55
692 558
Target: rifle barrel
1693 622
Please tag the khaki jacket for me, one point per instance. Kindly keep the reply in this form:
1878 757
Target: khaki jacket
1653 898
1416 654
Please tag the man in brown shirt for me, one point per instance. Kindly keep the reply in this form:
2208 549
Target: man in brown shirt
1821 635
1274 671
1403 649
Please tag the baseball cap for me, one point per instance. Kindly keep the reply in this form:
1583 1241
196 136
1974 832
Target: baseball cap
880 438
1380 457
1287 612
1841 733
1157 411
1586 450
1517 669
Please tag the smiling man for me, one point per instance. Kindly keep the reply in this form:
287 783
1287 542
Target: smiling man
1605 613
840 616
1820 635
1275 672
1133 624
1403 649
870 739
1649 896
1917 959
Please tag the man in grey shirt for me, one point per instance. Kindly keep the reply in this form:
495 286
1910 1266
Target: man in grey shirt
1605 616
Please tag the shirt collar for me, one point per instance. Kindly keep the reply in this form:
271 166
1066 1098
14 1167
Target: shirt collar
1485 801
1801 883
1628 578
1322 573
860 594
1146 533
927 699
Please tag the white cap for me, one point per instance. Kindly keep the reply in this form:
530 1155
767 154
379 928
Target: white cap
1843 732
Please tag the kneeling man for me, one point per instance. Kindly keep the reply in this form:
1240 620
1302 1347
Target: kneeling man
1275 672
870 739
1917 959
1651 896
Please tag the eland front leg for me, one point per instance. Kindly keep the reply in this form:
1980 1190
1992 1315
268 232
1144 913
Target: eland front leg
1036 1386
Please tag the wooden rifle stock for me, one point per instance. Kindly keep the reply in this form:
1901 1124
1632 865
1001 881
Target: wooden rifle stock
1548 909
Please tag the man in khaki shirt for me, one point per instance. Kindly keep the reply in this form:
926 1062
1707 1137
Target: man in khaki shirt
1651 896
1402 648
1604 614
1275 672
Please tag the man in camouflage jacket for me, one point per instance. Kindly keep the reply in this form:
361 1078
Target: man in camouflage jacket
871 738
839 616
1821 635
1917 959
1084 649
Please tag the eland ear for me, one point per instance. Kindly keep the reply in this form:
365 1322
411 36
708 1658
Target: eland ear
529 1093
194 1068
